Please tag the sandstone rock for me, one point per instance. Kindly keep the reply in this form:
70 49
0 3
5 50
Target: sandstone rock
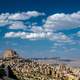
9 54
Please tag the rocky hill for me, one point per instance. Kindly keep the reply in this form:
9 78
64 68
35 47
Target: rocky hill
8 53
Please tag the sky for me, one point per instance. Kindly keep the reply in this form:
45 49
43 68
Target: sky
41 28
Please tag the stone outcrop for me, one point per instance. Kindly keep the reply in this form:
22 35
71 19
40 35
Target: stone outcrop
9 54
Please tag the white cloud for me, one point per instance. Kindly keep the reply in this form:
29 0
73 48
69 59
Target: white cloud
15 34
37 29
78 33
24 35
25 15
60 21
4 16
58 37
34 13
4 19
17 25
5 23
54 22
12 18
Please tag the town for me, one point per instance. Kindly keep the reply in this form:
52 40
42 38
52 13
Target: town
13 67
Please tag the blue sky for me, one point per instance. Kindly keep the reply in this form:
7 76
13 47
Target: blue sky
37 28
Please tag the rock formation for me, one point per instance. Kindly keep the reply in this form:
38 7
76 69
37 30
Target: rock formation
9 54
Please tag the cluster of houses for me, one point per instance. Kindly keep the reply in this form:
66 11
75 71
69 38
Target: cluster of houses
25 69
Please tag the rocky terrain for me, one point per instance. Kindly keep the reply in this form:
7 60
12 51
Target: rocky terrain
13 67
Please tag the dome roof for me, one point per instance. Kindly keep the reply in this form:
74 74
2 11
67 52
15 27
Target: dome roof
9 54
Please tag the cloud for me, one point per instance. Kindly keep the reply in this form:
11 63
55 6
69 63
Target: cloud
4 16
59 37
4 22
34 13
10 18
24 35
4 19
78 33
17 25
37 29
25 15
60 21
15 34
